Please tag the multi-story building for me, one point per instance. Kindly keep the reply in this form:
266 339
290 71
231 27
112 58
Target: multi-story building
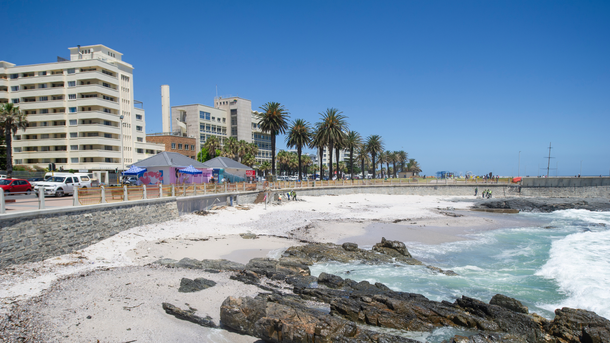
343 156
81 111
175 142
230 117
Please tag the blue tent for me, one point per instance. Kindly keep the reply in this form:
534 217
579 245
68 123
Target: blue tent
133 170
190 170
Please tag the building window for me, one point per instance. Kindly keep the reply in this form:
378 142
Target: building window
204 115
72 109
179 146
73 147
140 139
17 149
71 71
138 116
74 159
14 88
139 128
15 101
71 83
140 151
72 96
73 121
107 160
192 147
14 76
42 73
174 146
42 85
73 134
107 135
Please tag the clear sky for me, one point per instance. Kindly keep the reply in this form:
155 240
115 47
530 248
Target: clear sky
460 85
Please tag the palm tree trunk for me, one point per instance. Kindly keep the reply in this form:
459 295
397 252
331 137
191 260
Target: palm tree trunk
374 165
351 162
300 168
9 150
338 170
273 154
321 170
330 160
363 169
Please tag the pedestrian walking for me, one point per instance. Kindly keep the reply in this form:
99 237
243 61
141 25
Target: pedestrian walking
476 190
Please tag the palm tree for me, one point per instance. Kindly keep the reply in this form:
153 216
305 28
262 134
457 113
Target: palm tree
387 159
332 129
273 120
265 167
12 119
212 144
231 148
299 136
352 141
413 166
402 159
363 157
374 146
394 160
318 141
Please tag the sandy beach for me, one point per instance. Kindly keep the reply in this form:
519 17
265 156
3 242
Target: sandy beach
110 291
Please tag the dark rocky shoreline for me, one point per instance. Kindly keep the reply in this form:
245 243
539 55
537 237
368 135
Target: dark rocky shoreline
544 205
294 306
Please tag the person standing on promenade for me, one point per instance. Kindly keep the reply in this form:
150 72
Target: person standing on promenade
476 190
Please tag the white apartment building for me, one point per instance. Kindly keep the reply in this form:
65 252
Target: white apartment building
230 117
343 156
81 111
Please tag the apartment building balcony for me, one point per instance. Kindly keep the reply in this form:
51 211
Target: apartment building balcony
92 102
99 140
29 155
46 117
49 78
80 115
98 126
40 141
93 153
3 82
96 88
98 75
38 92
50 129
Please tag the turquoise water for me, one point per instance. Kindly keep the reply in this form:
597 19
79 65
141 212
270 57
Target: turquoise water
545 268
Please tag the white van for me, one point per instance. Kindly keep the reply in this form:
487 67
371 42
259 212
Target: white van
82 180
60 184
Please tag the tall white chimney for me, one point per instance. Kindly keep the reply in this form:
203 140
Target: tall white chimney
165 109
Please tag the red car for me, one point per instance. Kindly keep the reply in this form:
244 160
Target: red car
18 186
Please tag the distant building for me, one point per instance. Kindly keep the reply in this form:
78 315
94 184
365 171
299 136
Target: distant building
175 142
230 117
82 111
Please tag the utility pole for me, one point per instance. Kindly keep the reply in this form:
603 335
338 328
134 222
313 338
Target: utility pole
549 164
519 170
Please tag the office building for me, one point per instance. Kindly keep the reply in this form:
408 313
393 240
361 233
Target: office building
81 111
230 117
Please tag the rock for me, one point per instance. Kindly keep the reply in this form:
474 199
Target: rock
509 303
546 204
189 263
188 315
573 325
392 248
189 286
274 319
350 246
248 235
330 280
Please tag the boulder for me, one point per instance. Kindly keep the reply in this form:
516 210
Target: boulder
392 248
190 286
509 303
330 280
574 325
350 246
188 315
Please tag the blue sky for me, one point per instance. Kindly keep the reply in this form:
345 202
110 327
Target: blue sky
459 85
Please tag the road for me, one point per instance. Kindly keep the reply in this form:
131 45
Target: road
24 203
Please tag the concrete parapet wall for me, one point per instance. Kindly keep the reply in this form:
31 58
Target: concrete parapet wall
565 181
35 236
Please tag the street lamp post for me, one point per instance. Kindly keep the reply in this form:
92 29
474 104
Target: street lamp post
122 150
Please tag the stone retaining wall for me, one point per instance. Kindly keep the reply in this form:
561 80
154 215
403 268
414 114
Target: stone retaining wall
35 236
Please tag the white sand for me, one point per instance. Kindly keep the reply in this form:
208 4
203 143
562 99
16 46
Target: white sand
103 294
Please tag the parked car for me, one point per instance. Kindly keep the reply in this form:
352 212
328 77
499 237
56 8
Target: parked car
58 185
34 180
82 180
18 186
130 180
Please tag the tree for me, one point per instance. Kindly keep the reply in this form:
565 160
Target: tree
402 159
331 129
231 149
352 141
212 144
319 142
12 119
387 159
374 146
299 136
363 157
203 155
273 120
394 160
265 167
413 166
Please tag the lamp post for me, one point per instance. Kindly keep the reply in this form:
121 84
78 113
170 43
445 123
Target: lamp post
122 150
519 170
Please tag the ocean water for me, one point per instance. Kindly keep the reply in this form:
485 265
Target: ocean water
564 262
